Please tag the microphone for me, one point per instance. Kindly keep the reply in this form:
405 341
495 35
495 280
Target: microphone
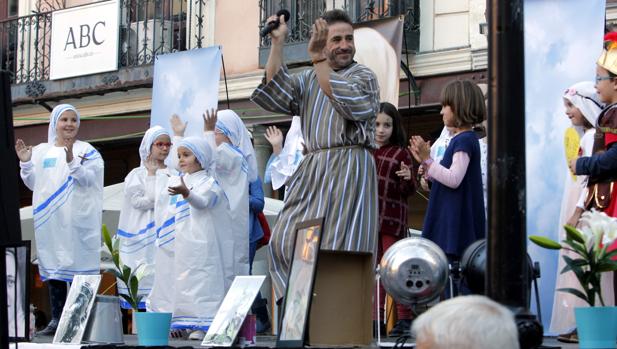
274 24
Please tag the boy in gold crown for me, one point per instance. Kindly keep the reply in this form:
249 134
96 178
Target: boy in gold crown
602 165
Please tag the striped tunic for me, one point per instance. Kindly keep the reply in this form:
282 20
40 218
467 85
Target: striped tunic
337 178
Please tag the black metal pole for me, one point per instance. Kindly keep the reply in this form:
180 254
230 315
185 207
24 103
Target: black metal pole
507 280
10 228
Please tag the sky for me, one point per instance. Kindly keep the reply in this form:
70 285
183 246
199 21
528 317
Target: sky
563 39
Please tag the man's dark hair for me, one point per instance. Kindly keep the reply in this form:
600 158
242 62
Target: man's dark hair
336 15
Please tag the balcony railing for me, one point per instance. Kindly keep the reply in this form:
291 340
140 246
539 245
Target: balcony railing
305 12
147 28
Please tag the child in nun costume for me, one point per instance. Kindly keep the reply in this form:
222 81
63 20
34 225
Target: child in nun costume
203 265
66 177
168 210
283 164
136 226
235 168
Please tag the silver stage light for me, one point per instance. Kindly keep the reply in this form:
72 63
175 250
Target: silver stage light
414 271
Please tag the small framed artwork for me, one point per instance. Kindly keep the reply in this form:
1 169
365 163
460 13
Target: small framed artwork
297 302
233 310
17 289
77 308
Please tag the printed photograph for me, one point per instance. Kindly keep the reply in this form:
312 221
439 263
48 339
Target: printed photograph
300 284
77 309
17 260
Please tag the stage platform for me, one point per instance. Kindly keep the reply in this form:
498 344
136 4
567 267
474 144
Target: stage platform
262 342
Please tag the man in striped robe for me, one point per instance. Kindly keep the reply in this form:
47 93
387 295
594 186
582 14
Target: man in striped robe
338 101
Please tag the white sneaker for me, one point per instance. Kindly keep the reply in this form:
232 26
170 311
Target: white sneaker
197 335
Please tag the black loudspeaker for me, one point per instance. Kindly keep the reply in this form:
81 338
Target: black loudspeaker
10 228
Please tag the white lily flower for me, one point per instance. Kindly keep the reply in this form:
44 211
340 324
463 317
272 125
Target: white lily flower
598 227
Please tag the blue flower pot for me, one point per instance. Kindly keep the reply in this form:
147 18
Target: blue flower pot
596 327
153 328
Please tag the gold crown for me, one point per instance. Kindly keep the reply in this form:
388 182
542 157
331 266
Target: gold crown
608 59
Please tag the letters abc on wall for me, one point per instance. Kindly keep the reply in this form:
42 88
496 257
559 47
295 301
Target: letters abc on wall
84 40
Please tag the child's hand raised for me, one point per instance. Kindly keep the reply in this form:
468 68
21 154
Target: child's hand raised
419 148
275 137
209 120
151 165
181 189
404 172
24 152
68 149
177 125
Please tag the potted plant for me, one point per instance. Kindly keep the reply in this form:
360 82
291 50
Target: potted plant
152 328
596 324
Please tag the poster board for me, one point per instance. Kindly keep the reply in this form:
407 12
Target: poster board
77 309
297 301
233 310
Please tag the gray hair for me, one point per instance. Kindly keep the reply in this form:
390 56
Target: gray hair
467 322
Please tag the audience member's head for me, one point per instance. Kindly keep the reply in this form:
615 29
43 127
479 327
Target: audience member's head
466 322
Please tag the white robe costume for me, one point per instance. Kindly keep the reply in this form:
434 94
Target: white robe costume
136 225
166 209
67 205
280 167
235 168
583 96
203 265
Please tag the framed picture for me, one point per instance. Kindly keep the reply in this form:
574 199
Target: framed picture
77 308
297 302
233 310
17 289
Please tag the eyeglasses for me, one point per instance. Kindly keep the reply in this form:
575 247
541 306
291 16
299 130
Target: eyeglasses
600 78
162 144
573 92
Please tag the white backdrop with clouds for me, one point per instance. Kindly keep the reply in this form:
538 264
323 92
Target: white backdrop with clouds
563 39
185 83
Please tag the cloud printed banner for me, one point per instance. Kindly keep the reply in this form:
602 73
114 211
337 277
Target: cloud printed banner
185 83
563 39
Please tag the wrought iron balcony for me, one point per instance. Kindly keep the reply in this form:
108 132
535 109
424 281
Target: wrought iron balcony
147 28
305 12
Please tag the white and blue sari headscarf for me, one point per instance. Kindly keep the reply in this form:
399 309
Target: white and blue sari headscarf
200 148
146 143
230 124
53 120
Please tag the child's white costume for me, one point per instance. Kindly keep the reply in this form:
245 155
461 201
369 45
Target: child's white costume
203 263
136 226
583 96
67 204
279 168
167 210
235 168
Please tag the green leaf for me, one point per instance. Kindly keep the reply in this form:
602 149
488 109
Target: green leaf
610 254
606 266
577 248
106 237
571 264
573 234
134 285
576 293
545 242
115 256
126 273
116 245
127 299
578 271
